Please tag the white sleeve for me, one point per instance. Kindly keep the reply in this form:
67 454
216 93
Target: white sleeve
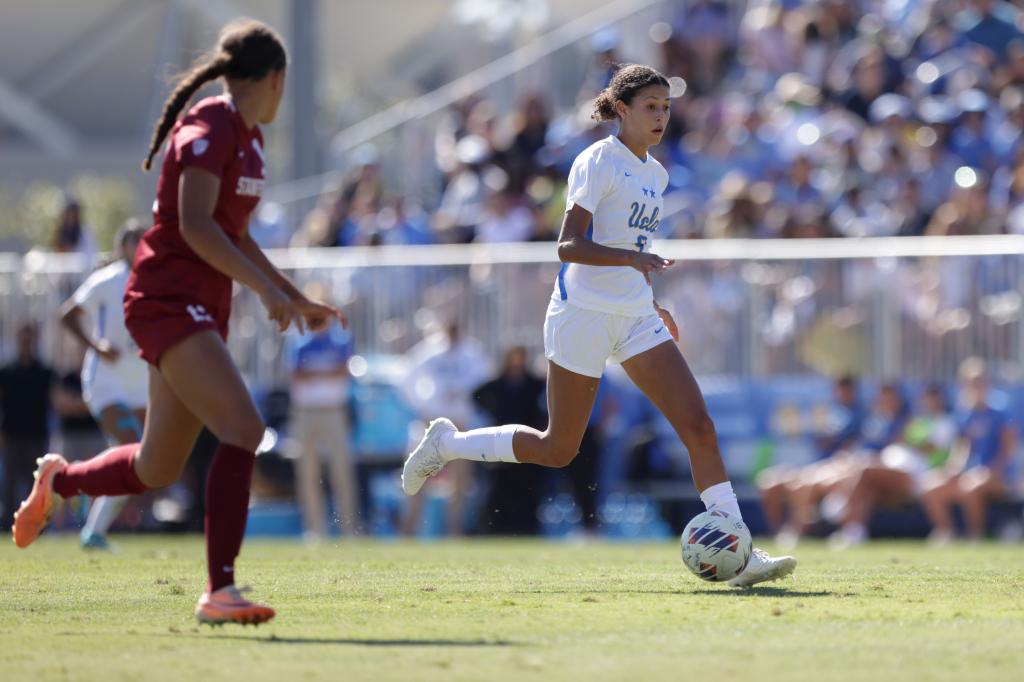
589 182
85 295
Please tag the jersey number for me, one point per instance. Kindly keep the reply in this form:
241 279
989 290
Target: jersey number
199 313
641 242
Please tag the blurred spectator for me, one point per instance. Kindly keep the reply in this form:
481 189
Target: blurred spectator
882 426
515 396
319 425
839 428
980 467
990 23
902 470
72 235
26 386
504 219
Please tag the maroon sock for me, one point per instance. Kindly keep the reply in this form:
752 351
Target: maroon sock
112 472
227 507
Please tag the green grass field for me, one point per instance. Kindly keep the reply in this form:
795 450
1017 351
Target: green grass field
511 610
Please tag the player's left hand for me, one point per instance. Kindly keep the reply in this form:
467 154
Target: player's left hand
319 315
670 323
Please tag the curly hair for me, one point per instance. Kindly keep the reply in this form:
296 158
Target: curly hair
246 49
628 80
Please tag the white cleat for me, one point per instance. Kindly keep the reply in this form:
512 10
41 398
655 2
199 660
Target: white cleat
762 568
426 460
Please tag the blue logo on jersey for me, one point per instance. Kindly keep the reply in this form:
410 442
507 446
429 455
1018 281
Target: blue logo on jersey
641 221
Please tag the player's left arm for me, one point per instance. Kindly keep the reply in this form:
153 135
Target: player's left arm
316 313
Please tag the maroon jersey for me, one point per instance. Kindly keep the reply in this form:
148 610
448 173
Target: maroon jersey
212 136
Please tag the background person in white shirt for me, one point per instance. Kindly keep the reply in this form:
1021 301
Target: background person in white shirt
602 308
114 377
444 370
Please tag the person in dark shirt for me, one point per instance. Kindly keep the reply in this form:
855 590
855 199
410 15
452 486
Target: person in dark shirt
25 390
513 397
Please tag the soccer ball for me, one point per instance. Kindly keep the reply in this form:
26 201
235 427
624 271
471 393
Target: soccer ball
716 546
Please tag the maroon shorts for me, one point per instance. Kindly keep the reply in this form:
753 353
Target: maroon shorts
157 324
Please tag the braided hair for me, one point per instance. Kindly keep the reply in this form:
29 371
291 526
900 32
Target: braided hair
247 49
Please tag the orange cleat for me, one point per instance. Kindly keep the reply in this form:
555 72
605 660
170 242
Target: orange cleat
227 605
35 511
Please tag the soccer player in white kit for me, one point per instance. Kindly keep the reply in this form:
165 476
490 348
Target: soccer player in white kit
603 307
114 378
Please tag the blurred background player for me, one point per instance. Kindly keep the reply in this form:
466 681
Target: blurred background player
597 313
113 376
177 305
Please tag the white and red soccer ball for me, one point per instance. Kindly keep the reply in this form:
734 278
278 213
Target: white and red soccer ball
716 546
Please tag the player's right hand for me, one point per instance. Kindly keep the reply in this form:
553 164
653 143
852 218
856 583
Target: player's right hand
647 263
107 351
281 309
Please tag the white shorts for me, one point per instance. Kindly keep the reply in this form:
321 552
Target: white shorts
908 460
107 388
582 341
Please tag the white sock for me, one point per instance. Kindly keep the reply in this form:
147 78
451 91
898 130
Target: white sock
493 444
721 496
102 514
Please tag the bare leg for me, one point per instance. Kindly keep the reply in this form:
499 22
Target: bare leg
772 486
874 484
570 401
976 487
937 500
665 378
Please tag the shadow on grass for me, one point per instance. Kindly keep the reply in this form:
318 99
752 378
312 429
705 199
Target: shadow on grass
746 592
769 592
274 639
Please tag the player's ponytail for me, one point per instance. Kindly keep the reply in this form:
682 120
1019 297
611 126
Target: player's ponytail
628 80
247 49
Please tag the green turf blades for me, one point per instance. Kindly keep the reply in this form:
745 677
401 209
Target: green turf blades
511 611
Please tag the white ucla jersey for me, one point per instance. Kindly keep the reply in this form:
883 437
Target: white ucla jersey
623 193
101 296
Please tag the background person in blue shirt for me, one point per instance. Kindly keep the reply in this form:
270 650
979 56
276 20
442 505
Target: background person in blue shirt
980 465
883 425
843 429
319 425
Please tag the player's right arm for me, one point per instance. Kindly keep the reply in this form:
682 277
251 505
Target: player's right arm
574 247
197 197
71 319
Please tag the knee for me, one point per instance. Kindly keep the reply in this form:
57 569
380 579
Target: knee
157 477
245 432
561 455
700 429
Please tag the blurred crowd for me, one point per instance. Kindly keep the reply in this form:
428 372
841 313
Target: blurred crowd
799 119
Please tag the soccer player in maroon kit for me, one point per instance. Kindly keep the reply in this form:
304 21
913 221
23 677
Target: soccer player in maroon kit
177 305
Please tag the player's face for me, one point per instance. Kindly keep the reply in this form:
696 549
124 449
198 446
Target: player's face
647 115
274 84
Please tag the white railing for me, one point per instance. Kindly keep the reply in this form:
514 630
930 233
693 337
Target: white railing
892 307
